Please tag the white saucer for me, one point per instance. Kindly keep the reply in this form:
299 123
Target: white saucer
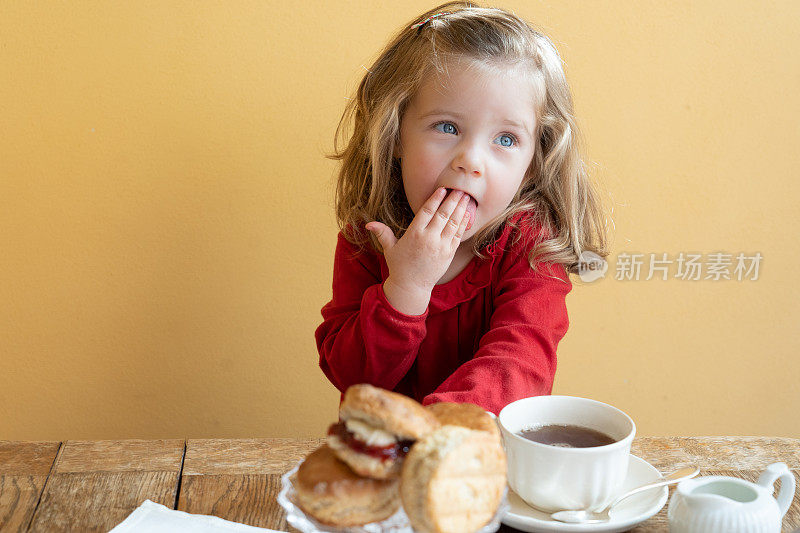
627 514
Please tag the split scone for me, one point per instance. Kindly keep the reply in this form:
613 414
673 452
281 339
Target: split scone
376 429
329 491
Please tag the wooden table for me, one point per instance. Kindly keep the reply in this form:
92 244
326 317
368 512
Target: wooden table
94 485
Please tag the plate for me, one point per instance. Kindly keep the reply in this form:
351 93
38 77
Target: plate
397 523
627 514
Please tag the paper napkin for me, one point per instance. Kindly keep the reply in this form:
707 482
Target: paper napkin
152 517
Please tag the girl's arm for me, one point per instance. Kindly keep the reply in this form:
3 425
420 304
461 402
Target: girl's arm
363 338
516 358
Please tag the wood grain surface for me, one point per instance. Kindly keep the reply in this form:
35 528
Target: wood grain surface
239 480
94 485
24 467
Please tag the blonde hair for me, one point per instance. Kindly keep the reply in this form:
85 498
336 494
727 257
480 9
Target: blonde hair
556 190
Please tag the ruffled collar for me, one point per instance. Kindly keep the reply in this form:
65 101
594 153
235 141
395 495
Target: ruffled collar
475 277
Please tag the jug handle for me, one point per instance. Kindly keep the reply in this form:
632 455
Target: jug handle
770 475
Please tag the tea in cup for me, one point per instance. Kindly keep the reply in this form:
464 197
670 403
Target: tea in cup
566 452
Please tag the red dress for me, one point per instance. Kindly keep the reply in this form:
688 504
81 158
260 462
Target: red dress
488 336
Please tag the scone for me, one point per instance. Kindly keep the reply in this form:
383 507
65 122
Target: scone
466 415
376 429
453 480
329 491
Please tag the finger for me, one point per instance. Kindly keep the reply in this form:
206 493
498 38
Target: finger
462 228
428 209
383 233
456 218
445 211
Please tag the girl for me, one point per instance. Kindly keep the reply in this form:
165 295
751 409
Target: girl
463 204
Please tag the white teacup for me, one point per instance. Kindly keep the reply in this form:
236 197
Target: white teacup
552 478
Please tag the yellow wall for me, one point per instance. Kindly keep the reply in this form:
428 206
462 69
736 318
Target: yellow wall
167 228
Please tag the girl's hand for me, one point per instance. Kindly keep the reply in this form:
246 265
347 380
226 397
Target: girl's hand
421 257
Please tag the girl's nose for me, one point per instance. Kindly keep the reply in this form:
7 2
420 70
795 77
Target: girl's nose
469 161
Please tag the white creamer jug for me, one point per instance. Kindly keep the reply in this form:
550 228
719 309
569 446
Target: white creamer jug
729 504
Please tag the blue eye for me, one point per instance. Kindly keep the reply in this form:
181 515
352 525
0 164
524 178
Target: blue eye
445 124
449 127
510 137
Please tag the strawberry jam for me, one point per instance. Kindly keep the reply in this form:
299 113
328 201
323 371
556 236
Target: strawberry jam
392 451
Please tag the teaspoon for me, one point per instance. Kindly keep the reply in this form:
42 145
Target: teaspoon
592 517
